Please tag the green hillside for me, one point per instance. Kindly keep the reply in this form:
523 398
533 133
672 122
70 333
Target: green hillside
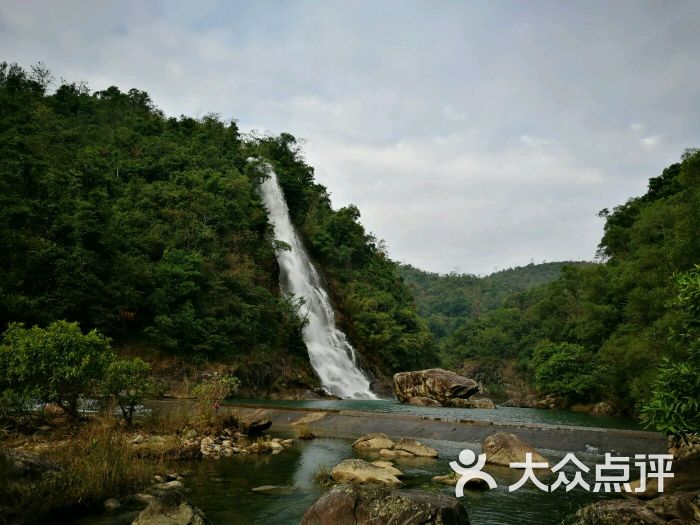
447 301
150 229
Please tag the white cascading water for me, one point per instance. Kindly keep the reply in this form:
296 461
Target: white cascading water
331 354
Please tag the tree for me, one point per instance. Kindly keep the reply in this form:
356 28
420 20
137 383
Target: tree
128 383
564 369
58 364
674 404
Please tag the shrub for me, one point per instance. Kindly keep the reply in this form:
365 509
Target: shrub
58 364
209 394
565 369
127 383
674 405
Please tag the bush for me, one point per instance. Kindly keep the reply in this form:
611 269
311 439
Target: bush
58 364
209 394
565 369
674 406
127 383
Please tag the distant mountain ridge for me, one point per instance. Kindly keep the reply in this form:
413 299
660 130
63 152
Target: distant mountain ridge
446 301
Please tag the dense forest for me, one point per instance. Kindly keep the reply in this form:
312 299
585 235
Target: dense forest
150 229
448 301
599 331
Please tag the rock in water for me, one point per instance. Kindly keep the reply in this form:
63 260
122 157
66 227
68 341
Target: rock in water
376 505
171 509
475 402
375 441
424 402
503 448
258 426
416 448
360 471
437 384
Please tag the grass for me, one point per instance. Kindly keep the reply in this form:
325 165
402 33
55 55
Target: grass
322 476
96 464
304 432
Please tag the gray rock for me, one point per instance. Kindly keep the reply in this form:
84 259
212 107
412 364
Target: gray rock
171 509
435 383
377 505
111 504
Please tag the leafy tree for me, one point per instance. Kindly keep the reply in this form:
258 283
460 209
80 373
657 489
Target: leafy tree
564 369
58 364
674 404
127 382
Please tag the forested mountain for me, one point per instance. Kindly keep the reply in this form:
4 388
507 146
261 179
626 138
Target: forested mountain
447 301
150 229
600 331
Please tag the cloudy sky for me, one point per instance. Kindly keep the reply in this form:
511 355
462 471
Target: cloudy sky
473 136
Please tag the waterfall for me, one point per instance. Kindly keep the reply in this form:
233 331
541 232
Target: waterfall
331 354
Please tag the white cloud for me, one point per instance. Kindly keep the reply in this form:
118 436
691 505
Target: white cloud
650 141
469 135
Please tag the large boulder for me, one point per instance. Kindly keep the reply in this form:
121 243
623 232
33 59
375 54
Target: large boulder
360 471
475 402
678 509
416 448
171 509
375 441
685 478
375 505
503 448
440 385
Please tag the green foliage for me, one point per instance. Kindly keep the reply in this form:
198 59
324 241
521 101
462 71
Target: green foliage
58 364
674 404
151 230
127 382
209 394
565 370
621 311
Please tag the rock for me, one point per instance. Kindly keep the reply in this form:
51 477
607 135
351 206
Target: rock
375 441
287 442
416 448
681 448
678 509
474 402
424 401
23 464
387 453
389 467
685 478
551 402
605 408
274 489
360 471
111 505
171 509
158 479
257 426
435 383
160 489
138 439
503 448
451 479
377 505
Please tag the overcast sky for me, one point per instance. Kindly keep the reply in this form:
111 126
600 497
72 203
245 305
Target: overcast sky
473 136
